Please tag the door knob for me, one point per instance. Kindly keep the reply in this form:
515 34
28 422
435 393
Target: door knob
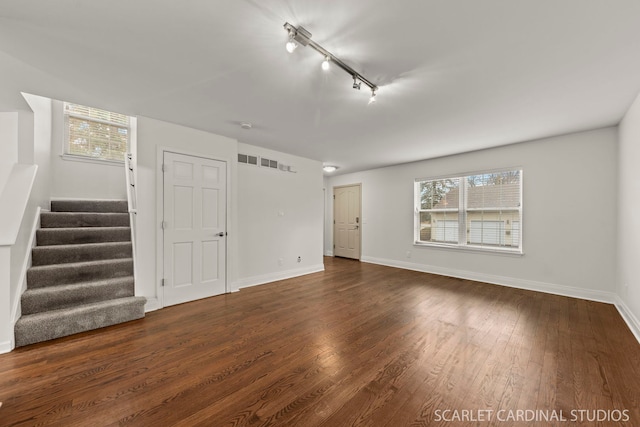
221 234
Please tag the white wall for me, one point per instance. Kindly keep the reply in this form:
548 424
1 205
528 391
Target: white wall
153 137
569 216
82 179
27 191
42 133
8 145
628 283
280 218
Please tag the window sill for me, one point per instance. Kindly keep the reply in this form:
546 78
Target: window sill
93 160
476 249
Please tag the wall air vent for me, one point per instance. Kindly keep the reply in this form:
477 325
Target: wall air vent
267 163
248 159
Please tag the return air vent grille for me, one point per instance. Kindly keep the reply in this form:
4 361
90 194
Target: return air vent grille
268 163
248 159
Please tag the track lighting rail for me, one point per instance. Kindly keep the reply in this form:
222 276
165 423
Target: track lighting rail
299 35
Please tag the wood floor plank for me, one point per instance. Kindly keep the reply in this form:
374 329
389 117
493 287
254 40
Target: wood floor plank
356 345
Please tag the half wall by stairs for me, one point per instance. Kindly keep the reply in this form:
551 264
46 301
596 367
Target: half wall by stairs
81 276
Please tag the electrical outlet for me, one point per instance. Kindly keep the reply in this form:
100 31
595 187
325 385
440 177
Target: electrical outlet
408 254
280 261
299 259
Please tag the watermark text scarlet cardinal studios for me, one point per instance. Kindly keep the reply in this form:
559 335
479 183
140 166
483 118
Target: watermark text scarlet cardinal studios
531 415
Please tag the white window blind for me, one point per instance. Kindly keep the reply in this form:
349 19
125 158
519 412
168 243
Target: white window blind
481 211
95 133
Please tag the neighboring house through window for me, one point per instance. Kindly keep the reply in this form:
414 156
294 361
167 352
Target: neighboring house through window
482 211
95 133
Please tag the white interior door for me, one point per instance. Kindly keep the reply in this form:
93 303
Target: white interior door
346 218
194 226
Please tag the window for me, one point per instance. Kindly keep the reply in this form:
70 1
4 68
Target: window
480 211
94 133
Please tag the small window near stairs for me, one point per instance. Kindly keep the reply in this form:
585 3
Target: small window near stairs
96 134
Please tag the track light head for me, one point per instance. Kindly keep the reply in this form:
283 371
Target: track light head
325 64
372 100
356 83
291 46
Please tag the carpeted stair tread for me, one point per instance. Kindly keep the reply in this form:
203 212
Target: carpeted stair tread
89 206
63 254
81 276
53 324
75 272
65 296
76 235
83 219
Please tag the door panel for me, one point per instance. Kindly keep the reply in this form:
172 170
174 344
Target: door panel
347 221
194 216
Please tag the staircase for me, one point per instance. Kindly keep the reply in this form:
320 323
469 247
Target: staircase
82 272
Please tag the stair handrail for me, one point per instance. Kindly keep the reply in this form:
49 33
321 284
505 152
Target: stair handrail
132 204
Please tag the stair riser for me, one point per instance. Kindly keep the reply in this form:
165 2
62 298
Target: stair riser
74 295
47 255
61 236
89 206
71 219
63 274
60 323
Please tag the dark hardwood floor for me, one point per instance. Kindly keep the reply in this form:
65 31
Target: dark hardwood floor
358 344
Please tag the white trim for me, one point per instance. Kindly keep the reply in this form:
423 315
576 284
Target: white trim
274 277
17 309
328 253
627 315
96 160
152 304
6 347
512 282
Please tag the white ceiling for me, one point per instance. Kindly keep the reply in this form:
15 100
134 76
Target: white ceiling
454 76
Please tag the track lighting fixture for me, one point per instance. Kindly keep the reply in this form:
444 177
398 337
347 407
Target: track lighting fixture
291 46
300 36
325 64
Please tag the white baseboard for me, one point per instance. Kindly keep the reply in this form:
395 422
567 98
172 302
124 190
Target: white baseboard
273 277
630 319
532 285
328 253
6 347
152 304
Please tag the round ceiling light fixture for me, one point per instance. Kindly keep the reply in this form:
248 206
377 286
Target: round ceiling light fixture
329 168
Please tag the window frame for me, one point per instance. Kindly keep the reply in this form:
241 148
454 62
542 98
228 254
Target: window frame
67 155
463 215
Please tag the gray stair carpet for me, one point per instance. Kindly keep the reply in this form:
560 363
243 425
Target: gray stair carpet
81 276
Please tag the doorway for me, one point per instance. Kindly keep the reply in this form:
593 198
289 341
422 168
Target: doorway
347 221
194 227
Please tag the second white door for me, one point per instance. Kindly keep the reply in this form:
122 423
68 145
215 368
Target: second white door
195 194
346 218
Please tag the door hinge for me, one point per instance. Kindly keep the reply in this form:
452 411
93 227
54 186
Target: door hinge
162 282
164 225
164 167
334 197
